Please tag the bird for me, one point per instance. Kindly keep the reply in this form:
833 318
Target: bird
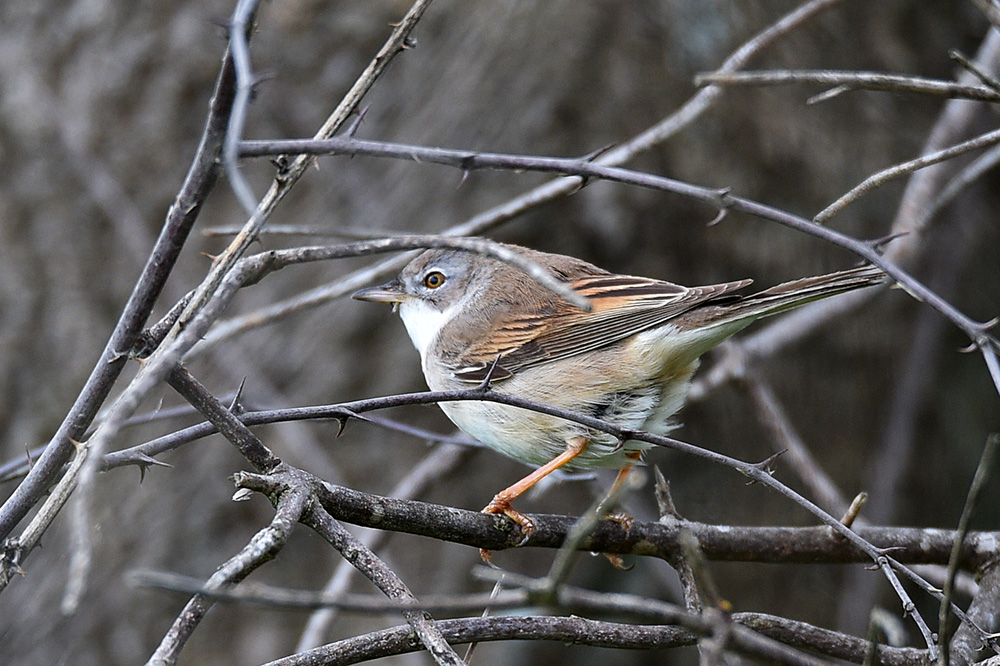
628 359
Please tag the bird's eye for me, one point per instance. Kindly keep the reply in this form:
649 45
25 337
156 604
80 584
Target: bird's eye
434 279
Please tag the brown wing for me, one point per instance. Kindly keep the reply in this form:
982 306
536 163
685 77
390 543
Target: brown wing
621 307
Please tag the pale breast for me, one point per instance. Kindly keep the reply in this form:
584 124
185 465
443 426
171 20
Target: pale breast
602 385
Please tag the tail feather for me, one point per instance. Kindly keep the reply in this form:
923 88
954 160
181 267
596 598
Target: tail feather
783 297
788 295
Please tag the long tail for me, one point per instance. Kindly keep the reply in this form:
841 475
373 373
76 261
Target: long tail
779 298
788 295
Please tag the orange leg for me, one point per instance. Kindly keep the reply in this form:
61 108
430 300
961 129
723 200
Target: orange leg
633 458
622 519
501 501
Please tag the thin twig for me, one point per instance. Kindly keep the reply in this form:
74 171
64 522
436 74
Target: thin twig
983 472
721 199
240 25
386 580
772 415
199 182
491 218
432 467
260 549
853 81
903 169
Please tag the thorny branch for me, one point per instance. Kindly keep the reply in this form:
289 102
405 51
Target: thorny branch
585 168
555 189
214 293
199 182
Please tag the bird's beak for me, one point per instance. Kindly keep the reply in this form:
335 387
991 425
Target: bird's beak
390 292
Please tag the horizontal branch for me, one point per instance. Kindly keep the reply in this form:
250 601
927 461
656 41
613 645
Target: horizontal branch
586 168
596 633
805 545
690 626
849 80
575 630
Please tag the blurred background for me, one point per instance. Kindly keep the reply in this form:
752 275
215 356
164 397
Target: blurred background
101 107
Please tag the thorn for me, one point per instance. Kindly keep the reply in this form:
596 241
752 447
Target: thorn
664 500
144 462
235 406
878 244
484 386
722 199
852 511
591 156
356 123
828 94
341 424
150 461
765 465
968 349
465 176
719 217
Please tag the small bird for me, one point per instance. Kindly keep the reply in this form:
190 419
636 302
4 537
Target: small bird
627 360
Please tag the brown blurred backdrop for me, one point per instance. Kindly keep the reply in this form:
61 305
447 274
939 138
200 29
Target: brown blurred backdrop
101 106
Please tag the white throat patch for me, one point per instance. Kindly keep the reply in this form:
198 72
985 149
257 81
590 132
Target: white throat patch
424 322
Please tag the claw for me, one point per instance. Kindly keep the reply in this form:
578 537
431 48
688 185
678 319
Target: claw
623 519
502 505
617 562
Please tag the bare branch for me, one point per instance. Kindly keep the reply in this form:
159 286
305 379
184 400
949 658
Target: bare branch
489 219
721 199
386 580
983 471
198 183
882 177
248 444
261 549
434 465
651 539
853 81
